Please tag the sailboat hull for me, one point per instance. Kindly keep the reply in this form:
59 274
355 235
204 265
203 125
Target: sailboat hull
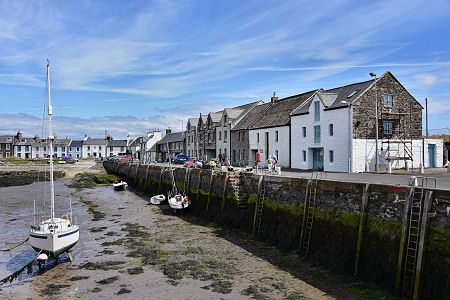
53 244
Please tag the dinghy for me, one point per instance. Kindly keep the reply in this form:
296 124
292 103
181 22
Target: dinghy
178 200
120 185
156 200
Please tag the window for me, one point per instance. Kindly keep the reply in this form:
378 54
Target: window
220 151
276 136
9 139
387 127
388 100
304 131
225 133
225 152
78 148
63 148
45 148
18 148
224 120
276 154
122 149
111 148
220 135
316 111
19 154
89 147
257 137
55 149
8 146
317 134
239 136
209 138
37 148
304 155
27 148
331 156
331 130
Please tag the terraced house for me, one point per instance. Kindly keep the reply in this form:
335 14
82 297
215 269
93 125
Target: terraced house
6 146
335 130
192 137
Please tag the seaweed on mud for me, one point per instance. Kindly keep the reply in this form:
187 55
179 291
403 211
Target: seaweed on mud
97 215
297 296
193 250
116 215
192 268
76 278
104 265
123 291
114 243
279 285
96 290
108 280
53 289
135 271
83 180
222 287
107 251
134 230
97 229
149 255
254 293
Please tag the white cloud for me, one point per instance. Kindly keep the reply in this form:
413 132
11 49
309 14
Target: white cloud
426 79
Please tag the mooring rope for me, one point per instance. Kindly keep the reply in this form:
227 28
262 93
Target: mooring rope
15 245
14 275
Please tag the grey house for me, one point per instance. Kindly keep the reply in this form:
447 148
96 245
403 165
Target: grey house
6 146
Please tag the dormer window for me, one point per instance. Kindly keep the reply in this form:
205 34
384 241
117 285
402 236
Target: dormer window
316 111
352 94
388 100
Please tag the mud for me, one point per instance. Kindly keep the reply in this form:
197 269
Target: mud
108 280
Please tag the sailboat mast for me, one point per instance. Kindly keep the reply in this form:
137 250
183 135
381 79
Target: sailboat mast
50 137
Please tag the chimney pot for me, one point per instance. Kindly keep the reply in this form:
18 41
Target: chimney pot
274 97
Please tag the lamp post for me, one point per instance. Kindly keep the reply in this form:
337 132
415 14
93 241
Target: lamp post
376 122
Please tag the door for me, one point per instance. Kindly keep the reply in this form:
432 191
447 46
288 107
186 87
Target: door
432 155
318 158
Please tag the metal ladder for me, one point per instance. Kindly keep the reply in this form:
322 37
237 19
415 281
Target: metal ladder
310 205
415 220
261 197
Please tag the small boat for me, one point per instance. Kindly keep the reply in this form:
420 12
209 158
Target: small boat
157 199
120 185
53 236
179 201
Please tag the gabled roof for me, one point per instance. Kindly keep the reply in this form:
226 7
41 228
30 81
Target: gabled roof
117 143
251 116
349 93
172 137
215 116
234 113
95 141
3 138
193 121
61 142
76 144
278 113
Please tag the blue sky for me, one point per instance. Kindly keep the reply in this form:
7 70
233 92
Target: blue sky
129 66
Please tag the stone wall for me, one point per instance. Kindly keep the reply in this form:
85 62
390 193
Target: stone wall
347 236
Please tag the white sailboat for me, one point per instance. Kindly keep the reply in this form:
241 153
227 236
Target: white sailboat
178 200
54 235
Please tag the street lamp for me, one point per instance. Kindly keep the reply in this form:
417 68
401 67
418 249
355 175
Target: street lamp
376 122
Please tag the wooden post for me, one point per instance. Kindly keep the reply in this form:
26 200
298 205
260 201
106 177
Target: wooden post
423 231
305 213
403 241
199 182
210 190
224 191
362 226
257 202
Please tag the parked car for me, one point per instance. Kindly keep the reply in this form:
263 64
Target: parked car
180 158
125 158
193 162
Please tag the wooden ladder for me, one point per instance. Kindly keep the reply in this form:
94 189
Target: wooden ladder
260 205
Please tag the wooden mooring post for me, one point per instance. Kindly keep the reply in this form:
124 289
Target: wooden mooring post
362 226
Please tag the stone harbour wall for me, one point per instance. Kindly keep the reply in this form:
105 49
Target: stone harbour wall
358 229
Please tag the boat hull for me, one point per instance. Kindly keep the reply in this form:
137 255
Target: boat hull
53 244
179 205
120 186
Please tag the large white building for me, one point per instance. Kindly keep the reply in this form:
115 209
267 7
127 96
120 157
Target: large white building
94 147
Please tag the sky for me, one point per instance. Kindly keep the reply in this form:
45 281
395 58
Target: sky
132 66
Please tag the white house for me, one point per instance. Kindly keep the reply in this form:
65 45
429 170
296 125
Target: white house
141 145
116 147
270 133
94 147
192 137
335 130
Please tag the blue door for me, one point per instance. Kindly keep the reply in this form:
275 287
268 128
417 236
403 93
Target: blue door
318 158
432 155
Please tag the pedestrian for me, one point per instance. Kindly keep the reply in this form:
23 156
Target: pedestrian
220 157
269 164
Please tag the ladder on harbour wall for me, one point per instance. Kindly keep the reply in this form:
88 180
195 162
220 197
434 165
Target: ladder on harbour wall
415 234
238 189
259 206
309 209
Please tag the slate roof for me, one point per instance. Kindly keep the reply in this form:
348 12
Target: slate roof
251 116
95 141
61 142
24 141
234 113
344 91
76 144
193 122
117 143
278 112
216 116
172 137
40 143
3 139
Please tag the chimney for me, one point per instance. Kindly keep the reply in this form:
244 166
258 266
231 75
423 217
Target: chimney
54 135
85 137
128 140
168 131
274 97
19 134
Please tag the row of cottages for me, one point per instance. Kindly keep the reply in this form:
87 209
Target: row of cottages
331 130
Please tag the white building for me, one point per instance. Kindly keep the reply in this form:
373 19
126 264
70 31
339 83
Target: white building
192 137
270 133
335 129
140 146
116 147
94 147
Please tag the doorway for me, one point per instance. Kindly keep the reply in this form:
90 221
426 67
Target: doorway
432 155
317 158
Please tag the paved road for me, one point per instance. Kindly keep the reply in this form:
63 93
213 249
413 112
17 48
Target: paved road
442 179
